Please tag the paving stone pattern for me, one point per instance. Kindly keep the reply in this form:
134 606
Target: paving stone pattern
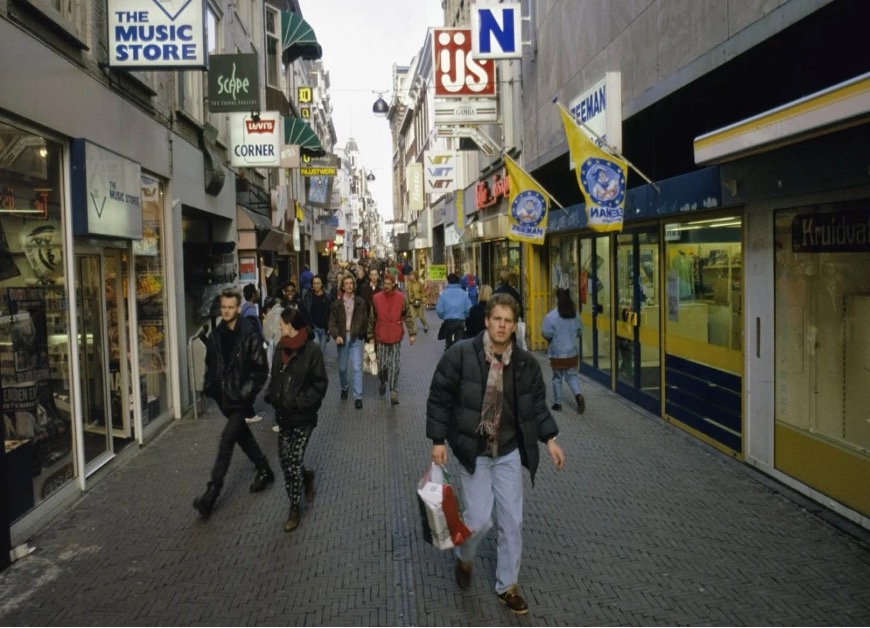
644 526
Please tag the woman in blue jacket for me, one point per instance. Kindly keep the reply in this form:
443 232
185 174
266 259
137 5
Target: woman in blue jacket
562 328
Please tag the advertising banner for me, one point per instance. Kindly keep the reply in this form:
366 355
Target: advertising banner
152 34
415 187
439 172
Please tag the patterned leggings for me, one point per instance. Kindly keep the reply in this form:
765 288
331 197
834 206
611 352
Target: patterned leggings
291 451
388 364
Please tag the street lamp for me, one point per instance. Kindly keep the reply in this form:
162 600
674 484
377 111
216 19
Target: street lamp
380 108
370 176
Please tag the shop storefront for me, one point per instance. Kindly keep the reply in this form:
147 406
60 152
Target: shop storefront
84 366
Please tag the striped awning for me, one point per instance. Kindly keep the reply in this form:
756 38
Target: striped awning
298 39
296 131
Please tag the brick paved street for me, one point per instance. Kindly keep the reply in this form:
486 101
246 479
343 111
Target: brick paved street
645 526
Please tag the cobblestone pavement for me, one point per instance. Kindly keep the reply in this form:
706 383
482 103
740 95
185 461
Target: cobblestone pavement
645 526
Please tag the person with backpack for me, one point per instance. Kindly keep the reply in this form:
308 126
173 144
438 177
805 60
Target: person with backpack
470 284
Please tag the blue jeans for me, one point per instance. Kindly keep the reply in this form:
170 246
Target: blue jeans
353 348
320 337
572 376
499 481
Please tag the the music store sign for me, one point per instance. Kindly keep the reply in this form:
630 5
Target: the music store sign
157 34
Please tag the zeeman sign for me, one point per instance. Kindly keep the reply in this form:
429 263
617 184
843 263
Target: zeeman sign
157 34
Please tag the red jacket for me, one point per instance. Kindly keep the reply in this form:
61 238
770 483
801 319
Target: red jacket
386 315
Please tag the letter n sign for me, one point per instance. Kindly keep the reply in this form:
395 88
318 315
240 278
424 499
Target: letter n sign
496 31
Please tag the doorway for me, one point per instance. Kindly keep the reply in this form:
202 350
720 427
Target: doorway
104 348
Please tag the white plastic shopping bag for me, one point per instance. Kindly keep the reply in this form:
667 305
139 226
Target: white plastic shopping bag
439 512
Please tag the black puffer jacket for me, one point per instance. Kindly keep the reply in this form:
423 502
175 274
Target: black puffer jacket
235 385
456 399
298 387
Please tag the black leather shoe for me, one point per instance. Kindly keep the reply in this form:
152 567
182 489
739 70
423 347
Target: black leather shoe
514 601
581 404
358 404
343 395
264 476
556 406
205 502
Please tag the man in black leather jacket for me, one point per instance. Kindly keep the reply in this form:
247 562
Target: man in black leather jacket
235 371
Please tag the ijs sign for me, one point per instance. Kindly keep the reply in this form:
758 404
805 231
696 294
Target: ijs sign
157 34
457 72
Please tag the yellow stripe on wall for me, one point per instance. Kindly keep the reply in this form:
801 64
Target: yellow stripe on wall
722 358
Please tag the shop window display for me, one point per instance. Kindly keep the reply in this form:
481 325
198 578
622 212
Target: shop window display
822 312
704 291
34 347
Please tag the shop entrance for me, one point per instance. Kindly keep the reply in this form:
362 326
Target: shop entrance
104 350
638 372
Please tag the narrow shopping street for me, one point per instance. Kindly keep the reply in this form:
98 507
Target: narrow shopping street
645 526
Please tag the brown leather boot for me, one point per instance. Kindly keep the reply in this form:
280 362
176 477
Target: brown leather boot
293 520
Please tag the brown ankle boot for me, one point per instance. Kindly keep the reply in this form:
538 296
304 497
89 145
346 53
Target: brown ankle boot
293 520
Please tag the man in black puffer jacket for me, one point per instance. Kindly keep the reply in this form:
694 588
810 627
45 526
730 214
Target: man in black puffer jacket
488 400
235 371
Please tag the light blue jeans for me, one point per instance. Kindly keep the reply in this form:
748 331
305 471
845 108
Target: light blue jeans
320 337
499 481
352 348
572 376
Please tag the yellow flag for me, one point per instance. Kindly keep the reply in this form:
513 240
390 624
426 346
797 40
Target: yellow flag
528 203
601 178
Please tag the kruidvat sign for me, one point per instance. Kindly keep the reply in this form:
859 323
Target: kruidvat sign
255 142
233 83
834 232
157 34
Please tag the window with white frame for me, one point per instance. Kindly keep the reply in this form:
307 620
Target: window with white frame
273 48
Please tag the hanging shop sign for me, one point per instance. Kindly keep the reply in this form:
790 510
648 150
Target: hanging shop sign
496 30
256 141
414 172
325 166
439 172
457 72
600 109
233 83
106 190
150 34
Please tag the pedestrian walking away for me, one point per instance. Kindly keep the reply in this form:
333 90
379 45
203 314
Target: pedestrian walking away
452 307
305 278
488 401
235 372
417 298
348 325
315 304
389 310
476 320
562 328
297 387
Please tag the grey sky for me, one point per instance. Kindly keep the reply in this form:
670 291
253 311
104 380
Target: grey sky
361 41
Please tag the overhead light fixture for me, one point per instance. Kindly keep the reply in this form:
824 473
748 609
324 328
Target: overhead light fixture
380 108
370 176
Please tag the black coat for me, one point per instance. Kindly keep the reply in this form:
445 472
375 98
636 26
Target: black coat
235 384
456 400
298 387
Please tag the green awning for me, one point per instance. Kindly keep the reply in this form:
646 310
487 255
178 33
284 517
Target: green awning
296 131
298 39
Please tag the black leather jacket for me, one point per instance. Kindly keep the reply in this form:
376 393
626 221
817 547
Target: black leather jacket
298 387
234 385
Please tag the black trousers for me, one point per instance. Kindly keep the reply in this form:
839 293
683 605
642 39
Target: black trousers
454 331
235 431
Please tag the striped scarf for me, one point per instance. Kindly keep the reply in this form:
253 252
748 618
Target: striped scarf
493 399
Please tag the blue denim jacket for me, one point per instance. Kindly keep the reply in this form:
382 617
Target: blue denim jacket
562 334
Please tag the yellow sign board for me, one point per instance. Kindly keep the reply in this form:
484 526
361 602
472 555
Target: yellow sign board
438 272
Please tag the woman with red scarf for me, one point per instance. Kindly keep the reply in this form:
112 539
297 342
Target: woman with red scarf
297 388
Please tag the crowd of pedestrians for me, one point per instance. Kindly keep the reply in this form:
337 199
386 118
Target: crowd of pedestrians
487 398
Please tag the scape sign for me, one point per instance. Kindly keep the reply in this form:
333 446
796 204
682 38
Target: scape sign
157 34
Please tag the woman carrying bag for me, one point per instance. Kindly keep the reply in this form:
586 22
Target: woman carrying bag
297 389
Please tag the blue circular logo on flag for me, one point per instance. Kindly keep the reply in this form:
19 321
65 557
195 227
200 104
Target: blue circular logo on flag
528 208
603 181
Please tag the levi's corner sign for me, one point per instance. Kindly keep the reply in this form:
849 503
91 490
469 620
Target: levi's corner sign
105 190
157 34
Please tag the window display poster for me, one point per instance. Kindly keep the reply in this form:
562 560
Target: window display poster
247 270
29 333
